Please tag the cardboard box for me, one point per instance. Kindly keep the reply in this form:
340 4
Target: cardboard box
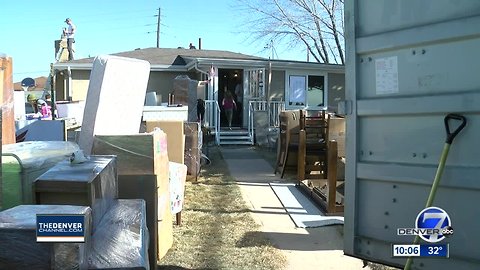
177 175
19 247
139 154
92 183
175 138
143 173
165 226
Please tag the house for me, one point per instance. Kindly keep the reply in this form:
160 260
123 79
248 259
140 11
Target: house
291 84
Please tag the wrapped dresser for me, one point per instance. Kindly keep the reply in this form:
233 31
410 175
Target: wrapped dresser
92 183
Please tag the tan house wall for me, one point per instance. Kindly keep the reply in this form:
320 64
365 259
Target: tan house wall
162 82
336 90
277 90
79 85
60 86
80 80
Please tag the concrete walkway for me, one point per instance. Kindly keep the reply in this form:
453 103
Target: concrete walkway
310 248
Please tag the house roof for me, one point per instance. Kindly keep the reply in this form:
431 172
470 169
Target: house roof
163 59
166 56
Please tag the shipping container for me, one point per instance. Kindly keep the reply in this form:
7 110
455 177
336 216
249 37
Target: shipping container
409 64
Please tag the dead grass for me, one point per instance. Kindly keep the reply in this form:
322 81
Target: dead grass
217 230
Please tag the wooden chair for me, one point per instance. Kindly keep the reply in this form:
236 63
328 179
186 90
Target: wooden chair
287 139
324 186
328 198
312 159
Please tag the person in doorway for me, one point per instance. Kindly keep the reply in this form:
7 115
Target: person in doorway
239 92
69 32
229 105
239 100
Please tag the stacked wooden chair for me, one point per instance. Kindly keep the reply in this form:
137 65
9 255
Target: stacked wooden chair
287 139
319 158
312 148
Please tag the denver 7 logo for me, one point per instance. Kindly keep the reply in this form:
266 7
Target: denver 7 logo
435 224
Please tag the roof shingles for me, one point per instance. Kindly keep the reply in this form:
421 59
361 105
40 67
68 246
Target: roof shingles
165 56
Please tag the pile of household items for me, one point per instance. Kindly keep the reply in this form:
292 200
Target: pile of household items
127 186
312 145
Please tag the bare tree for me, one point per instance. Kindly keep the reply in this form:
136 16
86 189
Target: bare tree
317 24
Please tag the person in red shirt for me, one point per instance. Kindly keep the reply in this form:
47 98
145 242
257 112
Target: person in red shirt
229 105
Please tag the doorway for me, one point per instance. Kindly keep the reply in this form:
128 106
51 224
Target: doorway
231 80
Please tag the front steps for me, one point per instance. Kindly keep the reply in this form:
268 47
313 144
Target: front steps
235 136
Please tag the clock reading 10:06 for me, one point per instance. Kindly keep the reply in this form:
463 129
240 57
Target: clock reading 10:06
406 250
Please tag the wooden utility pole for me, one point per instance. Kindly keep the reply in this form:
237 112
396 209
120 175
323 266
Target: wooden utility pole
158 27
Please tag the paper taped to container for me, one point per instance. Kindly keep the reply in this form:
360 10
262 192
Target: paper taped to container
177 175
386 72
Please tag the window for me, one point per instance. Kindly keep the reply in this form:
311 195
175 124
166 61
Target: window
306 91
315 91
297 90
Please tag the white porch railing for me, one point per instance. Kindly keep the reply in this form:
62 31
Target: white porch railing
273 108
212 118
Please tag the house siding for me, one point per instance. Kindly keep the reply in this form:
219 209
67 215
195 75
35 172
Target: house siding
80 81
162 82
336 90
277 89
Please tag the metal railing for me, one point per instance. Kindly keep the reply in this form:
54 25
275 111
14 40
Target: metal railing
252 106
212 118
273 108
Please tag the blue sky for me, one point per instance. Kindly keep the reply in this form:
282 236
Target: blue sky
28 29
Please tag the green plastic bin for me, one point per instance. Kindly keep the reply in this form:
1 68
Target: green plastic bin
23 162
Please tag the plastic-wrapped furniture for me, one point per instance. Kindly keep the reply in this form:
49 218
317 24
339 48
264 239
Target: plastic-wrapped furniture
92 183
23 162
19 247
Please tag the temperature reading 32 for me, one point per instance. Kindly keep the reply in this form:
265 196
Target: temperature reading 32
434 250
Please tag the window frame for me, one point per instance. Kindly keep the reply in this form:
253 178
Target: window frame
306 74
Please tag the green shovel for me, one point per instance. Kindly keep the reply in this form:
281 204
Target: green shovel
441 166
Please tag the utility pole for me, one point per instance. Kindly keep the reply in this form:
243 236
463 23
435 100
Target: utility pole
158 27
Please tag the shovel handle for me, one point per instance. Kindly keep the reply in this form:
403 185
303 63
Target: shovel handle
452 135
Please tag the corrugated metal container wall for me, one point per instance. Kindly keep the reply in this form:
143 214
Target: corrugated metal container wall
409 64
